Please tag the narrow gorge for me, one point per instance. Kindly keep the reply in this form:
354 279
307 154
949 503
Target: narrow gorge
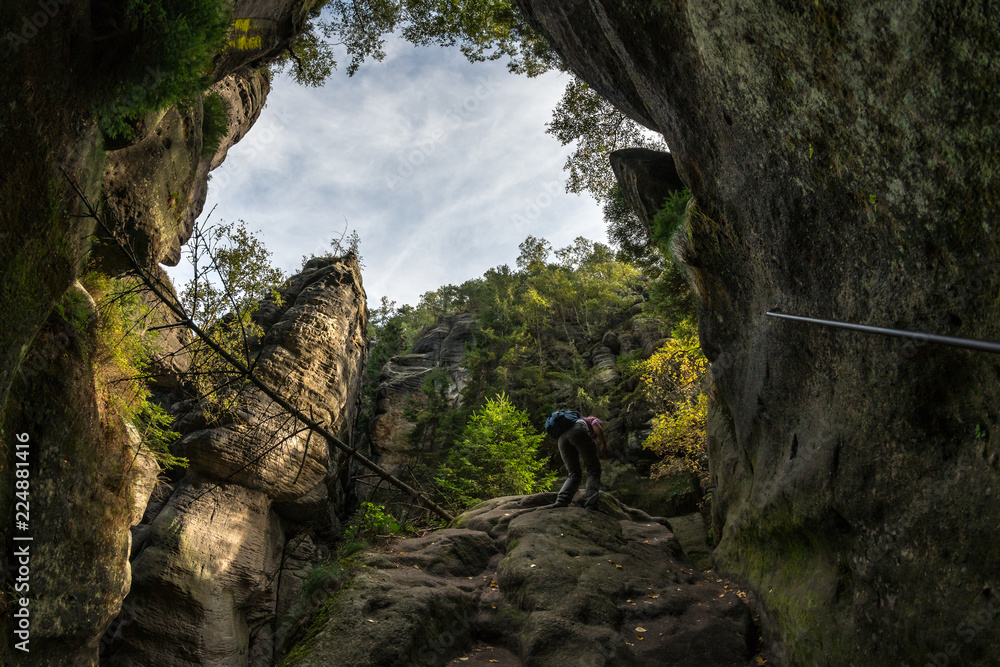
841 163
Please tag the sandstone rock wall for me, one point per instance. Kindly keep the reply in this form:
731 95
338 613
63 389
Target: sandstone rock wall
88 480
646 178
208 563
94 485
157 184
842 166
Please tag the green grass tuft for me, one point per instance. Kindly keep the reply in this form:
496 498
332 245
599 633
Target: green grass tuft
214 124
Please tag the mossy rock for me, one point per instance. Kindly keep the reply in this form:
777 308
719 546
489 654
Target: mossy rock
673 494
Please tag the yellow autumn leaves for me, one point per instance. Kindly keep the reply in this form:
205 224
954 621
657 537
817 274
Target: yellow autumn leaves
673 382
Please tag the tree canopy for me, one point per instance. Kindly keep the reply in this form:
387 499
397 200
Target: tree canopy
482 29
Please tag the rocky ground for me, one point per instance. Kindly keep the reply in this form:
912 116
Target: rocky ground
514 582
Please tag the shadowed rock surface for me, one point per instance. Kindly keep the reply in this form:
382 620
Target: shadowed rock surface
646 178
554 587
157 184
843 165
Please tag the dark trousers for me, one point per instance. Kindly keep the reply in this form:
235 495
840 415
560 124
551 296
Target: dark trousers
574 445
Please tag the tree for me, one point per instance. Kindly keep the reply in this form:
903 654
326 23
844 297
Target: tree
232 273
498 456
627 232
534 253
483 30
340 245
598 128
672 382
310 58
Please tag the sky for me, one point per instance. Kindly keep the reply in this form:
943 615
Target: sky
442 167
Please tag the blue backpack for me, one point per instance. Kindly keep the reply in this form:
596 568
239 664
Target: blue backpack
560 422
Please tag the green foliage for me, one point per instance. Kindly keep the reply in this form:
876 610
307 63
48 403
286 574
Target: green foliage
482 29
340 245
534 253
672 379
232 273
669 219
526 319
214 123
321 578
670 296
627 232
163 51
598 128
498 456
534 325
121 355
372 523
437 421
74 310
309 57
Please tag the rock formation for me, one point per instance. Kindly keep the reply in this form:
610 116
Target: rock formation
91 484
209 563
843 165
646 178
157 184
400 390
551 586
86 485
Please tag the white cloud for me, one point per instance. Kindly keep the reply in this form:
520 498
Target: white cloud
433 160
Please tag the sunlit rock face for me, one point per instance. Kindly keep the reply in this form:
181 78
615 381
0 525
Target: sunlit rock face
156 182
843 165
207 563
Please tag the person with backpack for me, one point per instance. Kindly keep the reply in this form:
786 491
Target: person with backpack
575 445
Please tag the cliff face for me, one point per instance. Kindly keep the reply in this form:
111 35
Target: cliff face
212 554
91 484
843 166
401 388
156 184
78 499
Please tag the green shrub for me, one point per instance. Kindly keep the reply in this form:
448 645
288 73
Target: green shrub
322 577
162 55
498 456
373 523
121 354
668 219
214 124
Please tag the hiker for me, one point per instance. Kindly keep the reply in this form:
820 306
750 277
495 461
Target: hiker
575 444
